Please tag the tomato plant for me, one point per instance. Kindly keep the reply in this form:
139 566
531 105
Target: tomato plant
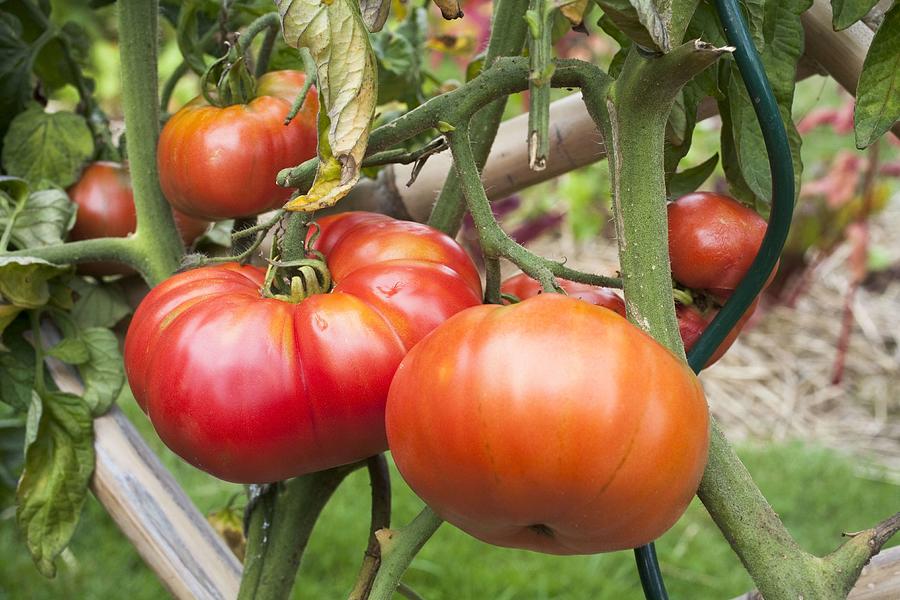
605 458
106 209
257 389
220 162
499 415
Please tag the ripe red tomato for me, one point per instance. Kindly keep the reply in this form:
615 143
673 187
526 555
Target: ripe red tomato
254 389
106 209
217 163
584 436
523 287
692 323
713 239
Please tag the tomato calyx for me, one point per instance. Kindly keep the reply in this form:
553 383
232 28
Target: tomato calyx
234 82
295 280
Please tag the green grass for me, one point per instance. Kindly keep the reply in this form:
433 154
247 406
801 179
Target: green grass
817 492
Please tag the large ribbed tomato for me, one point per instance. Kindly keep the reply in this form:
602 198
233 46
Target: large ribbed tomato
551 425
254 389
106 209
216 163
713 239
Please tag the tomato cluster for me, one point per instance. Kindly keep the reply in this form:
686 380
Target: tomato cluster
255 389
553 424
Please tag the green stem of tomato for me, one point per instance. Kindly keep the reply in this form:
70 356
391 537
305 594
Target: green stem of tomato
160 247
122 250
398 548
634 123
280 523
508 32
496 243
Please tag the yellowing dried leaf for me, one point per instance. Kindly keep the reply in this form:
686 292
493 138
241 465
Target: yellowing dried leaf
347 79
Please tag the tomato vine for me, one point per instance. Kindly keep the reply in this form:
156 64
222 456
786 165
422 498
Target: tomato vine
653 77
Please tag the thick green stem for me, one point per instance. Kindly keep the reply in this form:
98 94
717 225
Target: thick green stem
637 109
160 247
121 250
398 548
508 32
293 243
281 521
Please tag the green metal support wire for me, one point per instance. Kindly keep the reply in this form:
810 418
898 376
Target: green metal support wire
781 166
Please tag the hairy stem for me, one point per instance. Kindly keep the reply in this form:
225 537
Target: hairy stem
280 522
496 243
636 114
398 548
508 32
160 247
121 250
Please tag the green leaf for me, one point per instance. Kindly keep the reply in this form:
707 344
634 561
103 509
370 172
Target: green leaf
347 79
690 180
8 314
399 52
755 10
736 183
70 350
646 22
52 64
12 436
16 368
43 220
17 378
16 59
23 280
779 57
878 91
103 373
98 305
53 487
847 12
52 146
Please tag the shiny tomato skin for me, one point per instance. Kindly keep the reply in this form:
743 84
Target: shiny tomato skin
106 209
523 286
333 227
217 163
253 389
403 292
584 436
692 323
374 238
713 239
